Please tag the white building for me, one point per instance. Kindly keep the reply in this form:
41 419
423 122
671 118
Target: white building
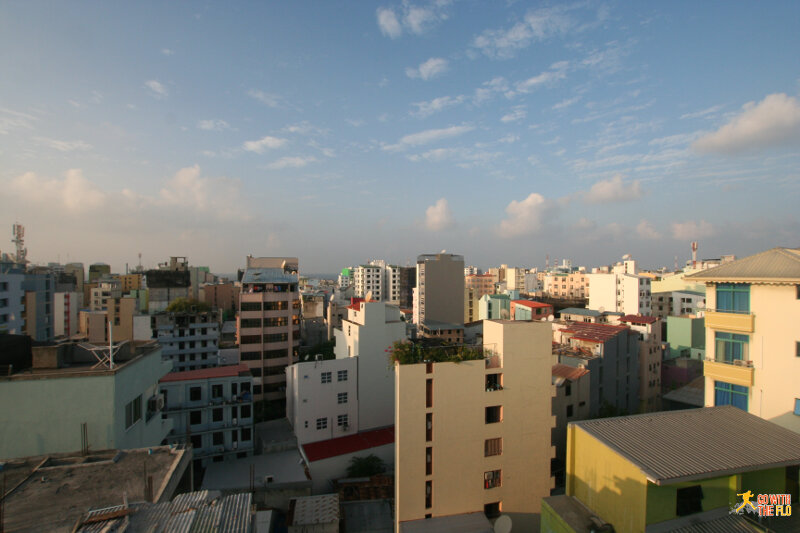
515 278
65 313
620 292
369 278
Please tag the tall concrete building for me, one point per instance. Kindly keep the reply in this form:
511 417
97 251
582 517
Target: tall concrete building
440 288
97 271
474 436
168 283
752 343
269 324
12 299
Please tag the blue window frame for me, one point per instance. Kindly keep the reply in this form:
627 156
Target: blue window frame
797 406
730 394
733 297
730 347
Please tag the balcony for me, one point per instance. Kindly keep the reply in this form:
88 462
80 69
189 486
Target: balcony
737 372
730 321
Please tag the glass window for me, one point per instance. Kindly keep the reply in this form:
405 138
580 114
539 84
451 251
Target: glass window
195 417
194 394
341 420
730 347
341 375
797 406
133 411
729 394
341 397
216 415
325 377
322 423
734 297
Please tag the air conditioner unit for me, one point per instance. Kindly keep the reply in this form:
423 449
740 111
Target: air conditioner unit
235 398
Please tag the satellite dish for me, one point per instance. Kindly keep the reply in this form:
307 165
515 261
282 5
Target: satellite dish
368 296
443 252
601 309
701 305
550 318
502 524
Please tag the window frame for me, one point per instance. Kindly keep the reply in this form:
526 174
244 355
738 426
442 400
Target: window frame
723 388
733 297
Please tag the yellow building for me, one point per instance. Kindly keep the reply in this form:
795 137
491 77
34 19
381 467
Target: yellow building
671 470
474 436
752 335
129 282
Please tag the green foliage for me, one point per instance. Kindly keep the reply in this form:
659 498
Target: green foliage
366 466
406 353
187 305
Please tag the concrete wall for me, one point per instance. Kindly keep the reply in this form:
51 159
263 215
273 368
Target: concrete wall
325 471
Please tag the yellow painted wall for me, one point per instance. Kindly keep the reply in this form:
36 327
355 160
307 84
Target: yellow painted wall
662 500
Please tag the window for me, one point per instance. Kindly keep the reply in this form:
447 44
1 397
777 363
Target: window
197 441
569 411
218 438
493 447
341 397
494 382
568 389
246 434
428 461
325 377
492 510
733 297
428 393
797 406
216 391
133 411
491 479
797 349
341 420
428 494
216 415
195 417
730 347
245 411
494 414
729 394
689 500
195 393
322 423
341 375
429 427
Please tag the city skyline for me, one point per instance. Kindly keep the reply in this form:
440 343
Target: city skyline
340 133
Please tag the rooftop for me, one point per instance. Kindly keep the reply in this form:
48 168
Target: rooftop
284 467
580 311
571 373
778 265
639 319
693 393
678 446
309 510
435 325
49 493
268 275
316 451
530 303
588 331
208 373
463 523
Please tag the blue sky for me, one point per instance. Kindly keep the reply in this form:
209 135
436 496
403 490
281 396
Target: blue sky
339 132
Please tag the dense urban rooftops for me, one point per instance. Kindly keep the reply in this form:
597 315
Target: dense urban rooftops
588 331
268 275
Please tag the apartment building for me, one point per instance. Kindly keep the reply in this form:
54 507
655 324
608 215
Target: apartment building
79 398
222 296
474 436
65 313
269 323
752 343
621 292
97 271
212 410
12 300
189 340
571 403
651 355
677 303
369 279
480 283
166 284
440 290
494 307
400 283
529 310
567 285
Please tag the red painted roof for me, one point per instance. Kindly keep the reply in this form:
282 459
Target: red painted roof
316 451
589 331
639 319
208 373
568 372
530 303
355 304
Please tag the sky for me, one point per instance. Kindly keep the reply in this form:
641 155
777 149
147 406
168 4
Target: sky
339 132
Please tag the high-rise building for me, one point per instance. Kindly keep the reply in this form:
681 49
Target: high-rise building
189 340
440 286
97 271
752 346
474 436
269 323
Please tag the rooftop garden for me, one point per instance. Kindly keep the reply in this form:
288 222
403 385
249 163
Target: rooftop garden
409 353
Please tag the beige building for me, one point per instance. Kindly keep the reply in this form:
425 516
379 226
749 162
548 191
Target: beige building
566 285
129 282
475 436
470 305
752 339
440 288
481 283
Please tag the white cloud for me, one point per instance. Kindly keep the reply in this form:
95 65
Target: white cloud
264 143
526 217
269 99
691 230
536 25
157 89
438 216
613 190
566 103
167 51
490 88
429 69
388 23
304 128
463 157
212 125
645 230
557 71
425 109
703 113
427 137
517 114
63 146
356 122
291 162
74 194
775 121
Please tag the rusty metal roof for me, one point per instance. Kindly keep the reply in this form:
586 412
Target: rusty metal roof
693 444
778 265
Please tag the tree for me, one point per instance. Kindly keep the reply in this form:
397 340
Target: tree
366 466
187 305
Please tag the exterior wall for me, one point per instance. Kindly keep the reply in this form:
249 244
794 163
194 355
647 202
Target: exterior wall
717 493
772 350
515 278
309 399
471 304
686 336
494 307
440 282
481 283
38 312
369 278
190 341
677 282
235 428
224 296
459 429
597 475
12 303
580 401
619 292
566 285
65 313
325 471
60 402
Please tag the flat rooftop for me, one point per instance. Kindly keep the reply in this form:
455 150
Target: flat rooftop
460 523
284 467
50 493
316 451
587 331
230 371
268 275
693 444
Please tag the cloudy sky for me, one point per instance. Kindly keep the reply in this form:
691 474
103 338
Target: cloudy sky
339 132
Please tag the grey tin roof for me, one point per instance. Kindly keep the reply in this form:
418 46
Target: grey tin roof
579 311
677 446
778 265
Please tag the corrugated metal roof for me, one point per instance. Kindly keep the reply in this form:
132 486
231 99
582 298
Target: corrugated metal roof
594 332
778 265
726 524
235 513
568 372
579 311
322 509
208 373
676 446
